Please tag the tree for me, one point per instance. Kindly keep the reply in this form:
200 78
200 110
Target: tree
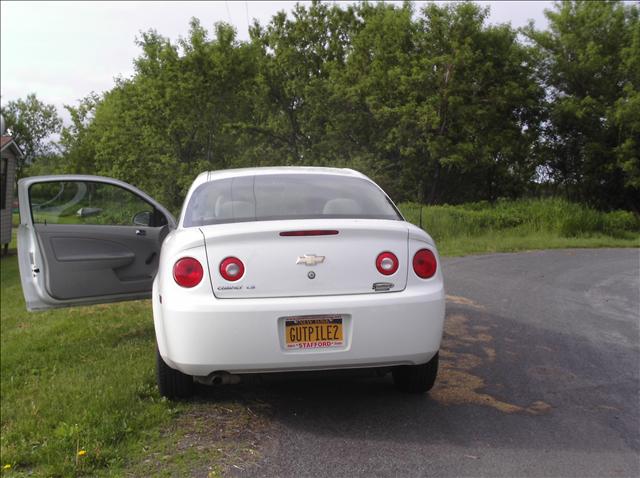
32 123
178 115
435 105
591 70
296 105
450 104
77 140
626 111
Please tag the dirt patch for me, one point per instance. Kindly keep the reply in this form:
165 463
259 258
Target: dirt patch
459 300
465 348
211 439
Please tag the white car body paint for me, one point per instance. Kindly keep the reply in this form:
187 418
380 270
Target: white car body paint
240 329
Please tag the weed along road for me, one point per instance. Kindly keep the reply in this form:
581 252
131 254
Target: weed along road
539 377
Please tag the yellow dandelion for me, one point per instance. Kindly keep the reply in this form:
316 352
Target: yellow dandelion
82 453
7 467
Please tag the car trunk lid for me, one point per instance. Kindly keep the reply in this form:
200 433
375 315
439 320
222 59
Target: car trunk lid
281 258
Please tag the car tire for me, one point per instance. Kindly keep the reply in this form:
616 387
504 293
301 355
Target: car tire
172 383
416 378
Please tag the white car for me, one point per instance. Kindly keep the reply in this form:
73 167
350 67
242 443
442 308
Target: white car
267 270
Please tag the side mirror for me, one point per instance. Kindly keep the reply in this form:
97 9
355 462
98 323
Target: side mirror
142 218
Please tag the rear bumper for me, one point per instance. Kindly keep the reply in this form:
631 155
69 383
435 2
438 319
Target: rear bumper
247 335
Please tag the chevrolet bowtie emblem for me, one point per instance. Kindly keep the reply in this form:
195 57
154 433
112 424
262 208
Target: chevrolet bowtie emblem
310 260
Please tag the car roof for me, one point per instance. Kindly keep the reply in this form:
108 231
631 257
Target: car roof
281 170
233 173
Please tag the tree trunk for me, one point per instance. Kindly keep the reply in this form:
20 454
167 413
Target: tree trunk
434 185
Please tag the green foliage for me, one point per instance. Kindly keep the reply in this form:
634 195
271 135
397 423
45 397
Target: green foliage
556 219
434 104
408 97
462 117
173 120
76 379
75 140
31 123
592 73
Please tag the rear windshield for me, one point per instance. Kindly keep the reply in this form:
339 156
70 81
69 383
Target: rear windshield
286 196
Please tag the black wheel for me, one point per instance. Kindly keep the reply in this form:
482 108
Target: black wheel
172 383
416 378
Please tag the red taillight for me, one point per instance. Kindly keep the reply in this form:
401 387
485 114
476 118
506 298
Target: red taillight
187 272
424 263
231 269
387 263
314 232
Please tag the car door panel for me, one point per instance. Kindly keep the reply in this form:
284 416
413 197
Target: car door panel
87 261
66 260
67 248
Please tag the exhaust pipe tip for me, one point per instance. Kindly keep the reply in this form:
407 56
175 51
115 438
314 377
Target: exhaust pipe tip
219 378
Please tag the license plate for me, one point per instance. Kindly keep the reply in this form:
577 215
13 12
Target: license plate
313 332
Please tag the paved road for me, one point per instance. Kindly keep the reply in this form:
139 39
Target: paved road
540 376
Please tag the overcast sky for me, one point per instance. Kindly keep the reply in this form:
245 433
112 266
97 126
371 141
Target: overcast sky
64 50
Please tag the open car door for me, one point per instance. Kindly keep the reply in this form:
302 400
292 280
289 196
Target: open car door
87 240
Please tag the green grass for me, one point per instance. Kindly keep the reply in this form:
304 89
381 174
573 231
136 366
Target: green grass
83 378
508 226
76 379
